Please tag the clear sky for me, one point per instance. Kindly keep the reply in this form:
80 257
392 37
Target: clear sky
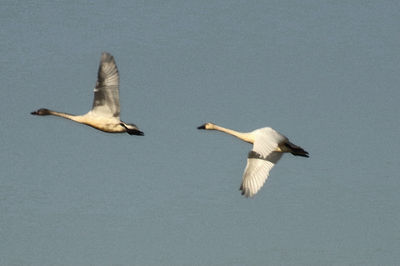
324 73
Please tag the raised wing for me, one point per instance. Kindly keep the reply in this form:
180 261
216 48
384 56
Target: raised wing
257 172
106 92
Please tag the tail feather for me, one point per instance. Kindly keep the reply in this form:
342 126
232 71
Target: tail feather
296 150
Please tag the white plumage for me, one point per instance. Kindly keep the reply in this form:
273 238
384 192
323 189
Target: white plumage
105 112
268 147
106 92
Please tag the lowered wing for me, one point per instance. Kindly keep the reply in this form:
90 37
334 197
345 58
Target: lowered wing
257 171
261 160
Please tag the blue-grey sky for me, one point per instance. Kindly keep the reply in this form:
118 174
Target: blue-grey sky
324 73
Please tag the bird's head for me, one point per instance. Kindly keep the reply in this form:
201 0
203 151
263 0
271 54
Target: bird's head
208 126
41 111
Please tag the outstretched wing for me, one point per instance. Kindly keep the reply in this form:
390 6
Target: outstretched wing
106 92
257 172
261 160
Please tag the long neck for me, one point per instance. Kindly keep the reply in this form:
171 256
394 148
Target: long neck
240 135
76 118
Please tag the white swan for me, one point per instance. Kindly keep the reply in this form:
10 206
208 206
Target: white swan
105 111
268 147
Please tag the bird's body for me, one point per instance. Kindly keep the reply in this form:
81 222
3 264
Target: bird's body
105 111
268 147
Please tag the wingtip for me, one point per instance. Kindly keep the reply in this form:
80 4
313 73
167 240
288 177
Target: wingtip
105 54
202 126
245 193
106 57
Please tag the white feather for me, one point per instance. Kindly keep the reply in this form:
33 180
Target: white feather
106 92
268 147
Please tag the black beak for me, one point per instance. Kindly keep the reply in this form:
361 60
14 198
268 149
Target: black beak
34 113
202 127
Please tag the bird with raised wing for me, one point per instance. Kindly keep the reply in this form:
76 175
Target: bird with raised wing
105 111
268 147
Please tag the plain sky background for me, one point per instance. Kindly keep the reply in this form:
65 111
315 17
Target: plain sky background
324 73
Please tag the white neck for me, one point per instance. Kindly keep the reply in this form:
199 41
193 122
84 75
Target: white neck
76 118
248 137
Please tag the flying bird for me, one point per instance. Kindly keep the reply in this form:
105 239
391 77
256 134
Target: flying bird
105 111
268 147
